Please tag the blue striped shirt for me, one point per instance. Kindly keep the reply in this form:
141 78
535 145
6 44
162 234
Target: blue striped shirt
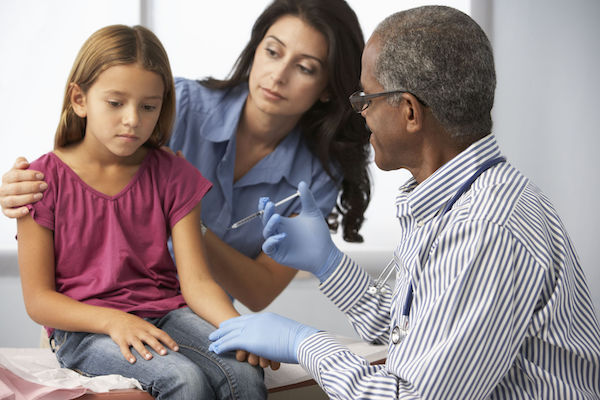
501 307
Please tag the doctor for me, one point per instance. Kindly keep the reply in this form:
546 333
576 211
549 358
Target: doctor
490 300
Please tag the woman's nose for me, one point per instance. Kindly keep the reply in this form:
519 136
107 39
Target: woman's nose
279 73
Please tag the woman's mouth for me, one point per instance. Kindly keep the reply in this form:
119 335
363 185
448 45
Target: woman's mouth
273 95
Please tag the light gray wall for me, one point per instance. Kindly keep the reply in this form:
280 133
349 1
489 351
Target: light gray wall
547 112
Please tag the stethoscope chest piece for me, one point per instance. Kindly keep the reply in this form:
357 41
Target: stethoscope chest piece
400 332
396 337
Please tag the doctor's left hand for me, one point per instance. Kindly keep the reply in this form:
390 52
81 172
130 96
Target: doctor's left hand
266 334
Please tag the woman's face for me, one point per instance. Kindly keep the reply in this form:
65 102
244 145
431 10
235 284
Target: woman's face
289 71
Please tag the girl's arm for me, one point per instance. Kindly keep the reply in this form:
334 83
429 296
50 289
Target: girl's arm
254 282
48 307
202 294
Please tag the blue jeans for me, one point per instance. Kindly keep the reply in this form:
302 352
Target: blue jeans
191 373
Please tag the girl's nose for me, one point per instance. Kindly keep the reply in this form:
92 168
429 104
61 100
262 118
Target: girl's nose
131 117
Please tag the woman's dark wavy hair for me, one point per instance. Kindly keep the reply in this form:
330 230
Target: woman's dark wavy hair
332 130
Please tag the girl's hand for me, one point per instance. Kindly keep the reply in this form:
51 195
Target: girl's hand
20 187
128 330
253 359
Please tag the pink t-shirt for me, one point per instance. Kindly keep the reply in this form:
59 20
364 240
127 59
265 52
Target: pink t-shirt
112 251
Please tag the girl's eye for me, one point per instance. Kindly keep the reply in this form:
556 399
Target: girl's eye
148 107
113 103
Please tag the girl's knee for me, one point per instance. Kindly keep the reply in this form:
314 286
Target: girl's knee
182 381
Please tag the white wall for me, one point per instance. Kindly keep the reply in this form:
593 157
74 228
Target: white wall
546 114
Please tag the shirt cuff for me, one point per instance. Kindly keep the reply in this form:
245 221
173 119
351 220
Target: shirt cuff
346 285
314 349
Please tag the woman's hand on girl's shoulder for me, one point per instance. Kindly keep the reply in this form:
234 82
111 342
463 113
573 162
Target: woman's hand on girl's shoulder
20 186
169 150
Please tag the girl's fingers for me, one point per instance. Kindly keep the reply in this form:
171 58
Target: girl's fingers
275 365
264 363
156 345
241 355
127 353
139 346
252 359
165 340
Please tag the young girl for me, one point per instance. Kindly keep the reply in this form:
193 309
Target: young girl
95 265
282 116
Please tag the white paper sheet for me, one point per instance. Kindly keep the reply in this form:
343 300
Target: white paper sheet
40 366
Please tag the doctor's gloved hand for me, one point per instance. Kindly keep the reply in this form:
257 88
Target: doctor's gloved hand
302 242
266 334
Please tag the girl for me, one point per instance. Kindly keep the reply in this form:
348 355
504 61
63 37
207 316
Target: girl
281 117
93 255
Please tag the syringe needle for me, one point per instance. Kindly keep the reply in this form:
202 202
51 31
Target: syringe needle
261 212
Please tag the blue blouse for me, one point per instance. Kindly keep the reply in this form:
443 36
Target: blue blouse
205 130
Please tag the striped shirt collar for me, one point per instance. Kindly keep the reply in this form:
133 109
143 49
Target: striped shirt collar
427 198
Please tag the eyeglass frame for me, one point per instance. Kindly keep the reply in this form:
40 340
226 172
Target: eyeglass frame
361 97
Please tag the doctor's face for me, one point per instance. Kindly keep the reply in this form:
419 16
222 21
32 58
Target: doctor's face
393 145
289 70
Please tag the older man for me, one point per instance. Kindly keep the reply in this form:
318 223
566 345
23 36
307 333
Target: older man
490 300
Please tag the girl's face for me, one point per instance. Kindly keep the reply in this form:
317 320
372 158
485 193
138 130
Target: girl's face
289 71
122 108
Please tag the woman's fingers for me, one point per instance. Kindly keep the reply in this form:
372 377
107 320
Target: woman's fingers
18 189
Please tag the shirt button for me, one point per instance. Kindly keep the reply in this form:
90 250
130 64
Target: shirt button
396 335
420 223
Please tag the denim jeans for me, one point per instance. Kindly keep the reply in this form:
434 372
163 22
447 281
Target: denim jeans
191 373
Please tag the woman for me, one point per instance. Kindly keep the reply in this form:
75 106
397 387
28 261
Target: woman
281 117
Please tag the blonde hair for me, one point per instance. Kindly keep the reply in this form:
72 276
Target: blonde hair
107 47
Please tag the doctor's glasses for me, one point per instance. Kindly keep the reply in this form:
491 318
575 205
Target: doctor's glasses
360 101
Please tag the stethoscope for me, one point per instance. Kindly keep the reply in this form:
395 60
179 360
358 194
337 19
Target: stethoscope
398 333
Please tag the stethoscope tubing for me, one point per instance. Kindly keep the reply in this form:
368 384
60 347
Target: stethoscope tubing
380 281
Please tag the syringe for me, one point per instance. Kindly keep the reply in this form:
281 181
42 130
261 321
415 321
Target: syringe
261 212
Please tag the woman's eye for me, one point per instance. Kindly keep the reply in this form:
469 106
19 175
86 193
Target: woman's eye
305 70
271 52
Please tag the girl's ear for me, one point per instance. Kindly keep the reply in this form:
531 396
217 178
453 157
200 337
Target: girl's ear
78 100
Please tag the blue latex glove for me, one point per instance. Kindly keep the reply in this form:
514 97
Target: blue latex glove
302 242
267 335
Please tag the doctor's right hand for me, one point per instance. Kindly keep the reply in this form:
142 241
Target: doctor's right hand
302 242
20 186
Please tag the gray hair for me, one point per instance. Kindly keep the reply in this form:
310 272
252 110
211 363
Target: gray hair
444 58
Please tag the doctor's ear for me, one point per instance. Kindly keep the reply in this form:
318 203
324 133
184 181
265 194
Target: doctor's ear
78 100
414 113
